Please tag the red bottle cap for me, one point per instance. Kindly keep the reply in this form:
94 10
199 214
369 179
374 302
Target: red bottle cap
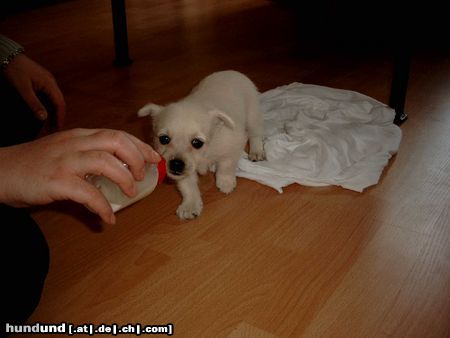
161 170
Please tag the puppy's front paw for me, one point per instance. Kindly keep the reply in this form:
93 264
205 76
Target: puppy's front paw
190 210
256 155
256 151
226 184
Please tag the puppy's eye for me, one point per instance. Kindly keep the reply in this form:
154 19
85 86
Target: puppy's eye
164 139
197 143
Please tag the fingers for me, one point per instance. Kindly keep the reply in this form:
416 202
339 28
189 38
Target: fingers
105 164
80 191
31 99
150 154
57 99
124 146
78 152
49 88
29 78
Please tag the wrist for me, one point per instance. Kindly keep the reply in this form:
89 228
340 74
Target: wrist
9 49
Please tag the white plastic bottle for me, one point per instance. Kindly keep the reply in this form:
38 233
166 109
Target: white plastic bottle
154 174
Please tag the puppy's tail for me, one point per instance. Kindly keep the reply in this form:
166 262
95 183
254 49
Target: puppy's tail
149 109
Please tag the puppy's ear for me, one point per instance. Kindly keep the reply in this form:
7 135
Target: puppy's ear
150 109
222 117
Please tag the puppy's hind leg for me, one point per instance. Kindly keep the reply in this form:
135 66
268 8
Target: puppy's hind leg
255 129
192 203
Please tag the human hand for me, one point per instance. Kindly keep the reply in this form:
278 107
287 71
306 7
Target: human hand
29 78
54 168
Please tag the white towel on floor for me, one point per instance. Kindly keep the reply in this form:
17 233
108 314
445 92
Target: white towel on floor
318 136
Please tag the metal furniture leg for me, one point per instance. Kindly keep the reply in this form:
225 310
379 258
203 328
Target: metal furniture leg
119 17
402 63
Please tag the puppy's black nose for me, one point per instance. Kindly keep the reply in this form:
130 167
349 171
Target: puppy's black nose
176 166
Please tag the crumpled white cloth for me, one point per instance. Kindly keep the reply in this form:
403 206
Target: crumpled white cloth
318 136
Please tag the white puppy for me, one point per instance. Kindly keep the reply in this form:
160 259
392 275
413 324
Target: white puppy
208 129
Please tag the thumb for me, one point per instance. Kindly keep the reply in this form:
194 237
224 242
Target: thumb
35 104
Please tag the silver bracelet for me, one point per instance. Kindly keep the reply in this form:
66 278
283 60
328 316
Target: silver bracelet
11 56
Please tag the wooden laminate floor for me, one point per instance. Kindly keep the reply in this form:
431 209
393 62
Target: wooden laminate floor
311 262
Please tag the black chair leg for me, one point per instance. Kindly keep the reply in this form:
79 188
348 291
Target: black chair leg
119 16
399 85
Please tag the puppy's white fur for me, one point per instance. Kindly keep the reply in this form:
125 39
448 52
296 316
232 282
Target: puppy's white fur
222 111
